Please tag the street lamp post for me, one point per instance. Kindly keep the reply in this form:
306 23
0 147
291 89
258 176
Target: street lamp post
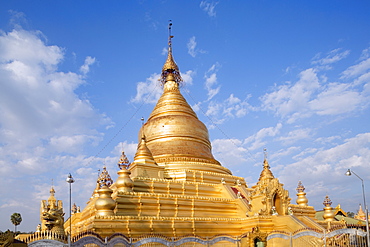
70 180
349 173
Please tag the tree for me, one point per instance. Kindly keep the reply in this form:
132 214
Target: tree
16 219
351 214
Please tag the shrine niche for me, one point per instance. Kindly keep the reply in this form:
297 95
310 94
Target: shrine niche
269 194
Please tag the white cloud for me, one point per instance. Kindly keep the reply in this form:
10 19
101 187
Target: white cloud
148 92
85 68
192 50
220 111
43 121
311 96
295 135
152 22
211 81
213 109
321 169
365 54
229 152
188 77
327 165
232 100
72 144
234 107
28 48
209 7
338 98
357 69
197 107
292 98
283 152
258 140
305 152
362 79
332 57
191 46
329 139
164 51
17 18
36 99
129 149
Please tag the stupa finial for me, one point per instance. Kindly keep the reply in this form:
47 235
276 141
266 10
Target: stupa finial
327 202
52 201
265 153
169 35
265 162
300 187
52 191
170 71
104 178
123 162
266 172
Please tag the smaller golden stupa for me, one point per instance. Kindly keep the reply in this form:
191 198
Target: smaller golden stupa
360 215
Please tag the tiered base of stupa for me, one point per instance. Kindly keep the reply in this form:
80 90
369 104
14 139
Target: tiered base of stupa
173 207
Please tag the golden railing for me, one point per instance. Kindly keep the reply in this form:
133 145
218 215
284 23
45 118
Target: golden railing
44 235
350 236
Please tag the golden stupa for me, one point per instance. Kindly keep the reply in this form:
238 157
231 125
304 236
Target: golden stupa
176 188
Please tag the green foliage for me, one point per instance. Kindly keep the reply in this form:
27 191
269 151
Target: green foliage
351 214
16 220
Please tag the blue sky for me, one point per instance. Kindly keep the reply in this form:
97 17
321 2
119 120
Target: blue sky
289 76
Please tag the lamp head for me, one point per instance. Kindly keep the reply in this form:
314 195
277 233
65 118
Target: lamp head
70 179
348 173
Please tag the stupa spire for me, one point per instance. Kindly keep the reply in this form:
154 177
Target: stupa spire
360 214
52 191
52 201
266 172
170 70
143 152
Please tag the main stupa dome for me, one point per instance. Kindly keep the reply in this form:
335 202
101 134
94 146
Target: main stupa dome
173 133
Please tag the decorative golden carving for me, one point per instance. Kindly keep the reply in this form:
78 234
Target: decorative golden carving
190 160
104 178
51 214
257 236
123 162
